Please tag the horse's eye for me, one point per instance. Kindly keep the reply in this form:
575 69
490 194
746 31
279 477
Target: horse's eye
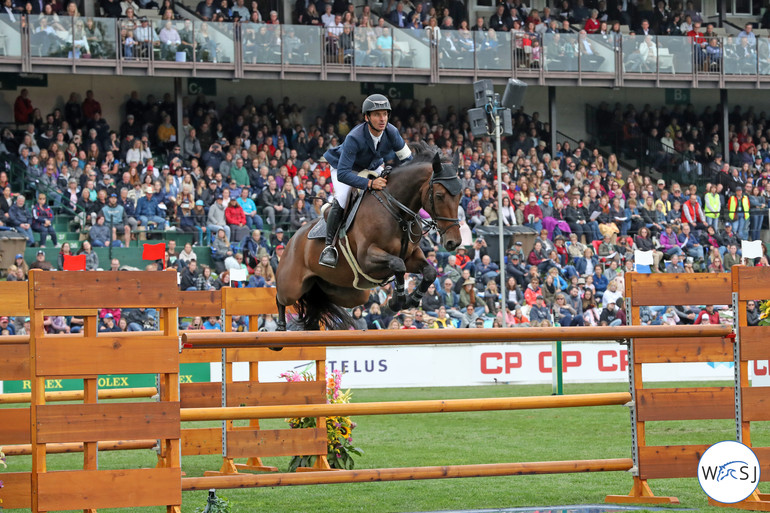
439 195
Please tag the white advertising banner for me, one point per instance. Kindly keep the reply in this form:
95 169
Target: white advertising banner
486 364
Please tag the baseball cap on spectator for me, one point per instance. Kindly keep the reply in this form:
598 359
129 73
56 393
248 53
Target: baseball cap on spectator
581 281
532 198
113 195
108 315
661 182
74 159
279 230
518 243
149 190
540 297
515 256
40 252
199 203
280 246
165 166
219 196
18 255
3 319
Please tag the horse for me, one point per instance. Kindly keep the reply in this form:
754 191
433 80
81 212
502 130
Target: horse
382 243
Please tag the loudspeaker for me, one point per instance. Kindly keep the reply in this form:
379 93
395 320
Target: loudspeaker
483 92
514 93
505 120
478 120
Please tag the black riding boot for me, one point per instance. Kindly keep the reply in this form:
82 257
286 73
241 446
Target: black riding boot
328 256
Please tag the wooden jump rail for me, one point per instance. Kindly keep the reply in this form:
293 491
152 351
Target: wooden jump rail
404 407
78 395
407 474
211 340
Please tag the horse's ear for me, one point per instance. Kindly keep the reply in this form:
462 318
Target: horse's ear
436 162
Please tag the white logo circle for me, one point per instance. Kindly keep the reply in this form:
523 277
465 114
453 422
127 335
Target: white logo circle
728 472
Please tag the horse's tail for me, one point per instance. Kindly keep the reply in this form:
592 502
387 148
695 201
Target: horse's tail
315 308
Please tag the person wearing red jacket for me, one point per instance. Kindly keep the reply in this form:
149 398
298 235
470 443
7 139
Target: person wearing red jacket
22 107
236 220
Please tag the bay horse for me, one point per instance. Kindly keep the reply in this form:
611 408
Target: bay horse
382 242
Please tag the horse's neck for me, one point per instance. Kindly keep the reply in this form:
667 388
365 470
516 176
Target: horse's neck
408 188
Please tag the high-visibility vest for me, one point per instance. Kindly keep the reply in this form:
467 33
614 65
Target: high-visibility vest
732 206
713 205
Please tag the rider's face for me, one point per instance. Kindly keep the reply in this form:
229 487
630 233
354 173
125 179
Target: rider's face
378 119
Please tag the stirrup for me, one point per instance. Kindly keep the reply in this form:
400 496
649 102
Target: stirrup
328 257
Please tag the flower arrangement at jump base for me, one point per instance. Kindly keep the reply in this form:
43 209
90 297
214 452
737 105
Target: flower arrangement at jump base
764 313
3 465
339 430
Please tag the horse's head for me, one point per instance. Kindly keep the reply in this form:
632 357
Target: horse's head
443 200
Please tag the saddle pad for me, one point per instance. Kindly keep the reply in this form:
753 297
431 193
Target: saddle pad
319 230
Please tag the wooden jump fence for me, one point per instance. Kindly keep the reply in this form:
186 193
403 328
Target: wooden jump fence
43 428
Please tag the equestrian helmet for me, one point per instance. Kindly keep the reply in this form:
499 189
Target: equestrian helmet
375 102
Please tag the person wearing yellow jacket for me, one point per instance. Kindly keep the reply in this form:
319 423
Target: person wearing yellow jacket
738 213
712 206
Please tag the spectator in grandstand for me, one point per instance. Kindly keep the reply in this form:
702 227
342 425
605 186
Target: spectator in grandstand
42 220
22 107
148 211
21 219
92 259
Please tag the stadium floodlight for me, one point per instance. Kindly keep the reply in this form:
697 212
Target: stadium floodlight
483 91
513 96
490 111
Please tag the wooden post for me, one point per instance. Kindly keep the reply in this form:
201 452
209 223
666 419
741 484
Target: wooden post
91 396
37 386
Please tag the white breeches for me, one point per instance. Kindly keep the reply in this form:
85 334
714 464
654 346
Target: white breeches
342 190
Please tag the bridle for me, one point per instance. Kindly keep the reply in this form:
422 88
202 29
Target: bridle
449 181
412 225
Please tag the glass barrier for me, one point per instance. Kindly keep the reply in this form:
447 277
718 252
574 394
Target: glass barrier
493 49
170 45
372 50
560 51
527 48
261 43
100 36
10 35
763 55
214 41
51 36
596 54
456 49
302 44
677 54
411 50
741 58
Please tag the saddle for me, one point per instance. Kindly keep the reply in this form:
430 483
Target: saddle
319 230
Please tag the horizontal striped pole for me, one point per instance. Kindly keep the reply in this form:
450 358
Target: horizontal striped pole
62 448
77 395
405 474
403 407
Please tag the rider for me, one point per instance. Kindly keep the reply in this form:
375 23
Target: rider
365 147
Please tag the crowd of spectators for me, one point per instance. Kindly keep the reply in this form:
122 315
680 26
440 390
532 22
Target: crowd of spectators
241 177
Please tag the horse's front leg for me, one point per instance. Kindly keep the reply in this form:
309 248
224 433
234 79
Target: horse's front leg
416 263
378 260
280 323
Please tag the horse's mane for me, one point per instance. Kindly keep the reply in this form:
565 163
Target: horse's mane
422 152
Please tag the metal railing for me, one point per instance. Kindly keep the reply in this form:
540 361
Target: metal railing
237 50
